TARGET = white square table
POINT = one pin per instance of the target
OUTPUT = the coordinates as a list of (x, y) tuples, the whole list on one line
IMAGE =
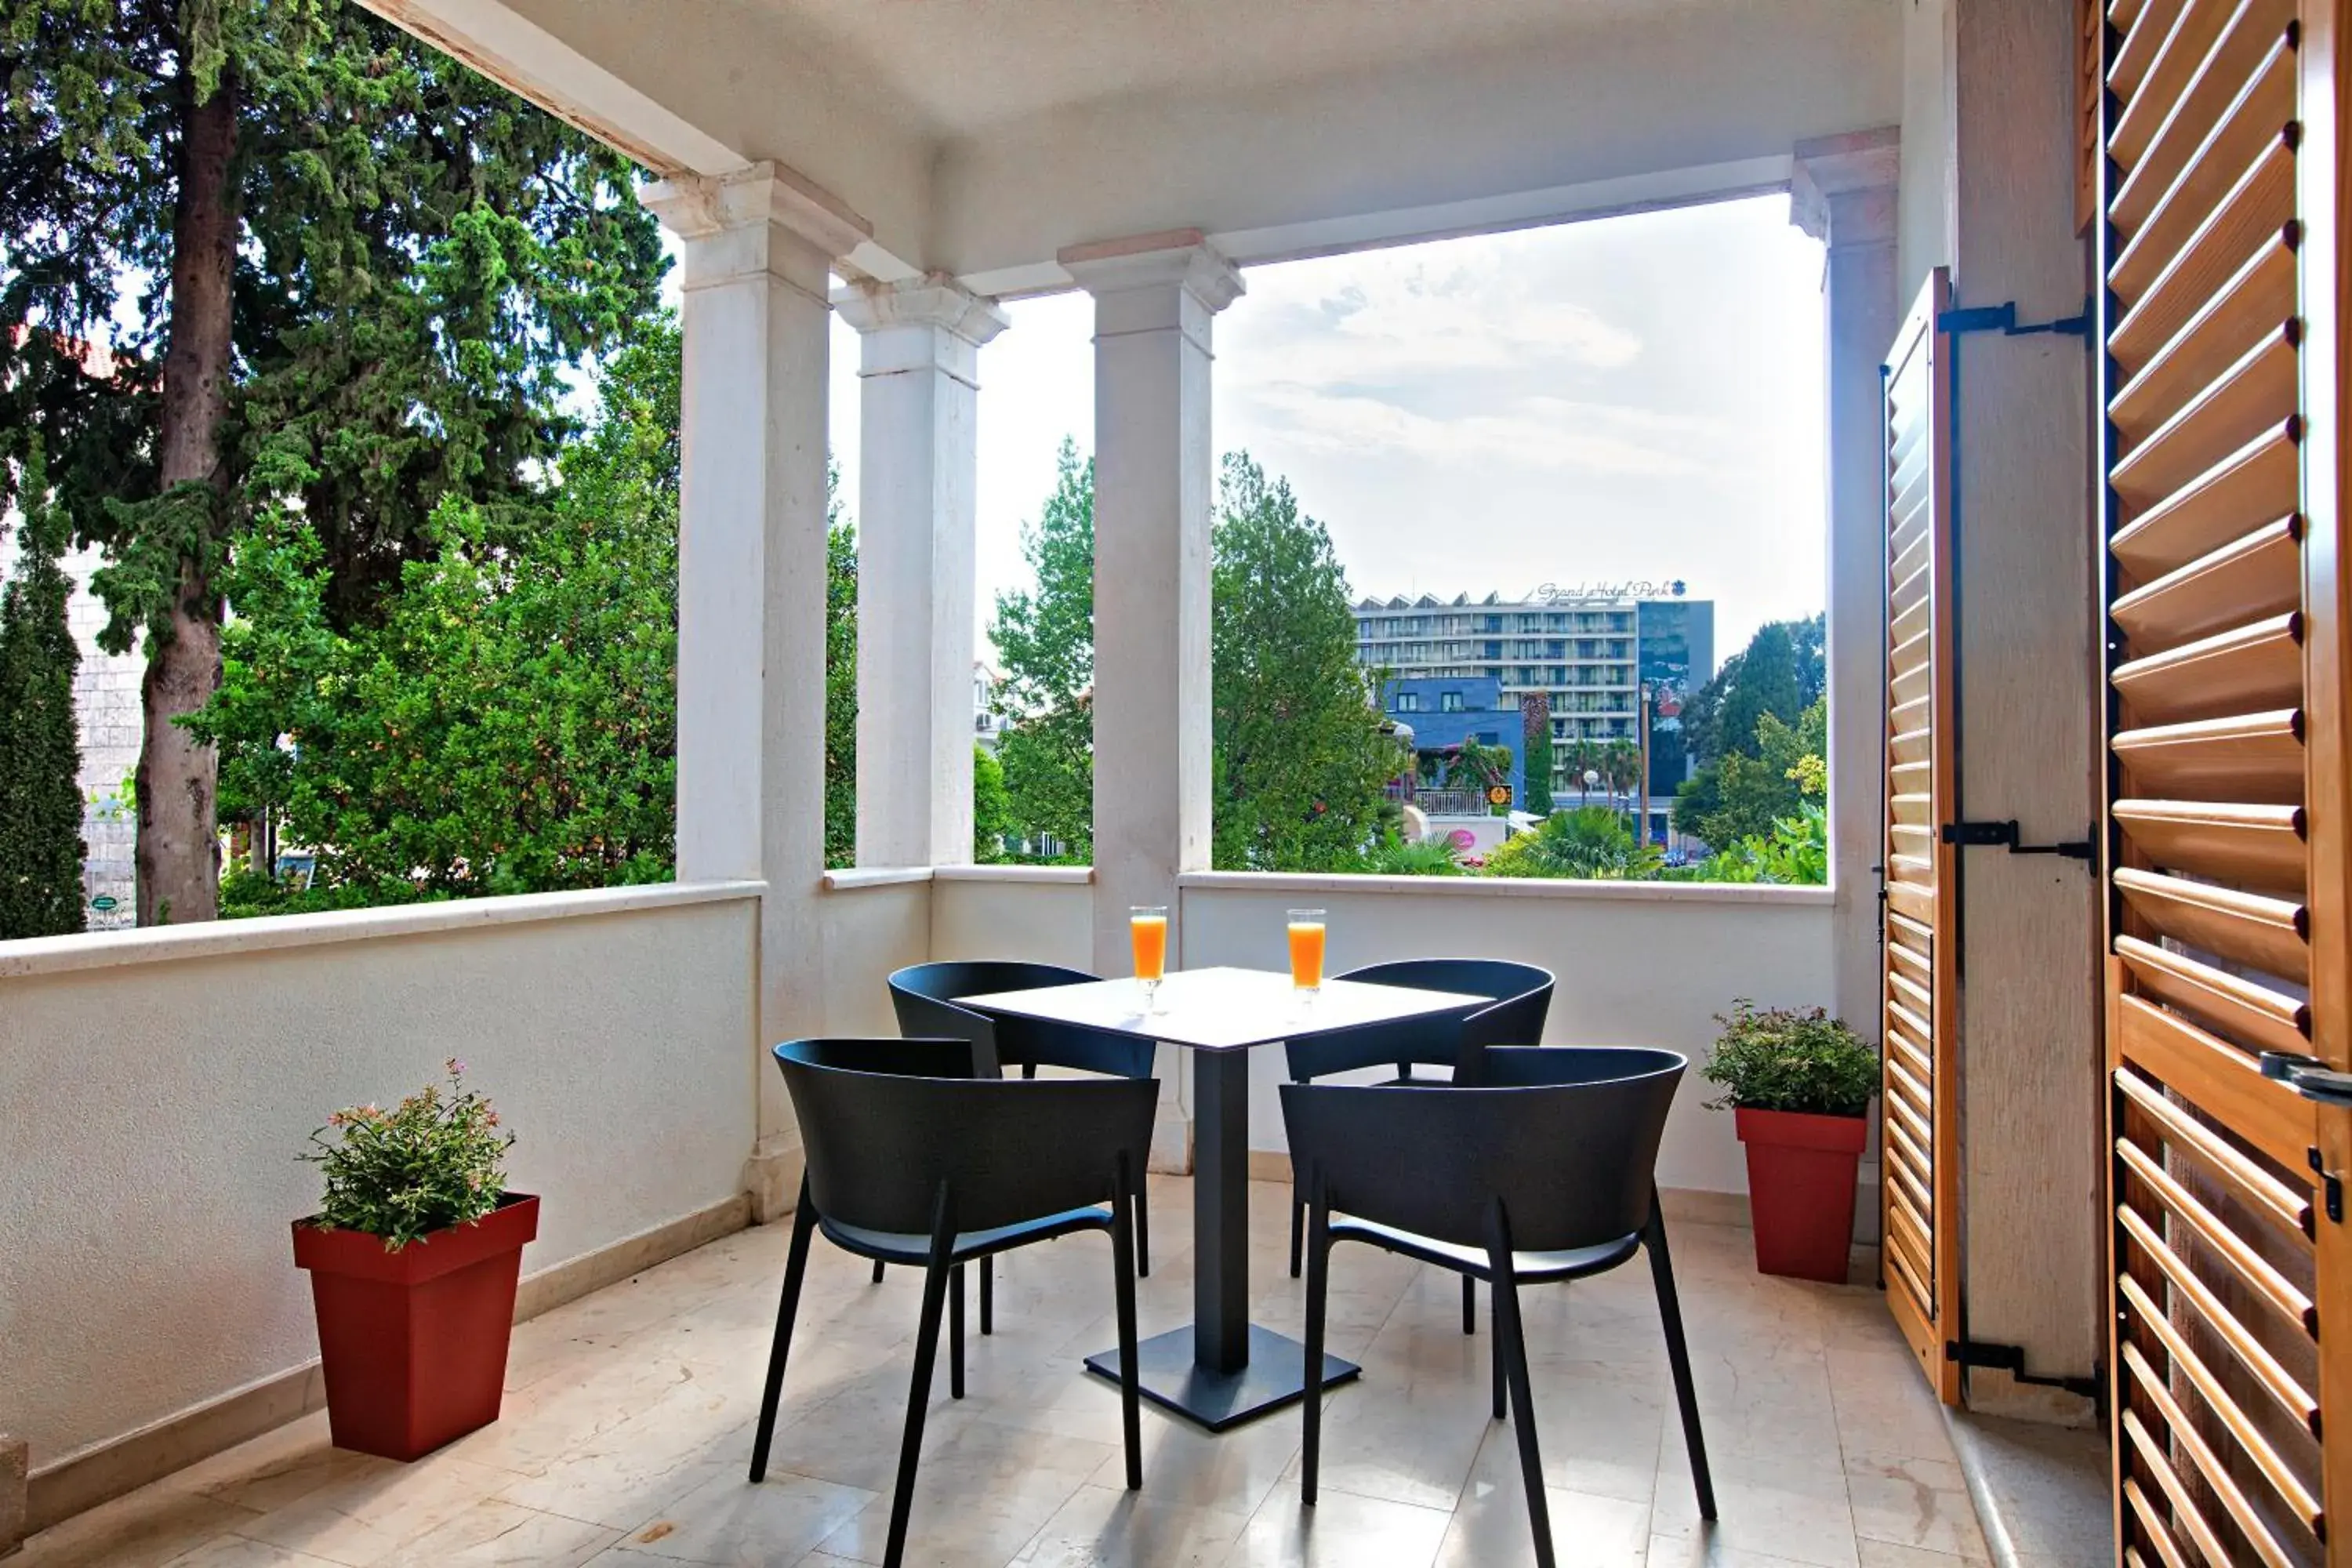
[(1222, 1369)]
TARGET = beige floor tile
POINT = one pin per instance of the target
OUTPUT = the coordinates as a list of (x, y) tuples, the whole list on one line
[(1789, 1507), (495, 1535), (1884, 1404), (1490, 1527), (1886, 1554), (729, 1522), (1233, 1472), (237, 1552), (1411, 1445), (1914, 1502), (278, 1467), (1710, 1551), (959, 1522), (1105, 1527), (1341, 1530), (362, 1519), (148, 1528)]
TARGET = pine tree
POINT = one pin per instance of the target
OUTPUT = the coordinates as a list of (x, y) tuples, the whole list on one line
[(40, 757), (353, 275), (1044, 639), (1536, 754)]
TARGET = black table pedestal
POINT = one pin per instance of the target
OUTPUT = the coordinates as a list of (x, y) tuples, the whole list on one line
[(1223, 1369)]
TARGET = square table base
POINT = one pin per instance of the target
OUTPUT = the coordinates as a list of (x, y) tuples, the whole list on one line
[(1167, 1376)]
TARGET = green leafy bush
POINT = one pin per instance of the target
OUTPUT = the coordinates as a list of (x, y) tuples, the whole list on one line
[(1791, 1058), (1591, 842), (1393, 856), (435, 1160)]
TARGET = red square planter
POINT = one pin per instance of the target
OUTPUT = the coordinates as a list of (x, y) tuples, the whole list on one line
[(1800, 1177), (414, 1343)]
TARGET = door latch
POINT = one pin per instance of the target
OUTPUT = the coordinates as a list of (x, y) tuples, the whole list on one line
[(2308, 1077), (2005, 836)]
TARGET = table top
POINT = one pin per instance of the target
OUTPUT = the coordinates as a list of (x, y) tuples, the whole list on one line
[(1223, 1009)]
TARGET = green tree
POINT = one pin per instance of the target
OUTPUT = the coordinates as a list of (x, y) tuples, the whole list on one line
[(840, 678), (1745, 797), (336, 278), (40, 757), (1537, 753), (1591, 842), (1779, 672), (992, 808), (1044, 639), (1299, 753)]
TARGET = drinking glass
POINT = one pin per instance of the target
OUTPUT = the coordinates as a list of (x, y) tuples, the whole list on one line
[(1307, 949), (1147, 929)]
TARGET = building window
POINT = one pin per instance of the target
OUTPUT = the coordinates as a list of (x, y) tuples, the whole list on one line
[(1450, 702), (1408, 703)]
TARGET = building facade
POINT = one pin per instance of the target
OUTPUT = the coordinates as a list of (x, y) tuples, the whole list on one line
[(1588, 653), (1440, 712)]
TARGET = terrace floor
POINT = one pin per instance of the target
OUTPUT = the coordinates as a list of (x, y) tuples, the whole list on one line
[(626, 1433)]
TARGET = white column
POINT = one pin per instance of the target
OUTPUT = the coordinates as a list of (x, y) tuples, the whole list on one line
[(1154, 299), (917, 482), (1845, 193), (759, 247)]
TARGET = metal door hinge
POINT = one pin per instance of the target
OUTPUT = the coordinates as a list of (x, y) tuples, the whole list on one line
[(2002, 319), (2004, 836), (2010, 1359)]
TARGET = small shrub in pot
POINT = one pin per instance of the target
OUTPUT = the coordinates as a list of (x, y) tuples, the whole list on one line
[(1798, 1083)]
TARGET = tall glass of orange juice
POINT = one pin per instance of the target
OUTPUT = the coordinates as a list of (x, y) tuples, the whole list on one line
[(1147, 929), (1307, 949)]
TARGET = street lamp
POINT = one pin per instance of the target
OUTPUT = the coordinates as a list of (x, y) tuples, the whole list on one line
[(1592, 777)]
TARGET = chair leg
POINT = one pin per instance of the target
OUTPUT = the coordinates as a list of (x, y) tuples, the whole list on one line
[(1502, 1400), (919, 1390), (1469, 1305), (988, 1294), (955, 1332), (795, 1270), (878, 1272), (1124, 1213), (1319, 1284), (1297, 1220), (1662, 1274), (1142, 1229), (1511, 1347)]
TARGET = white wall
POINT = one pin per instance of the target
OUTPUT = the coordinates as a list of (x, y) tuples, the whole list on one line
[(155, 1105), (868, 932), (1045, 915)]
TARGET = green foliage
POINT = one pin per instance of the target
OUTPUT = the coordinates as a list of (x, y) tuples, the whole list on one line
[(1537, 759), (1743, 796), (840, 678), (509, 725), (1795, 852), (1780, 672), (1391, 855), (991, 809), (1300, 754), (1591, 842), (1787, 1059), (1044, 637), (40, 755), (435, 1160)]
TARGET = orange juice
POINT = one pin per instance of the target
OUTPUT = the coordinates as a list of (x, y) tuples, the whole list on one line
[(1307, 949), (1150, 935)]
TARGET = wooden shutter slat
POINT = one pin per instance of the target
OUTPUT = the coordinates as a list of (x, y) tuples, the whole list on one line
[(2268, 933), (2250, 578), (2266, 1020), (2255, 394), (2259, 300), (2185, 1512), (2218, 1078), (1913, 900), (1910, 807), (1911, 686), (2185, 252), (2250, 1351), (2250, 1437), (2249, 1265), (2170, 70), (2144, 29), (2256, 484), (2245, 670), (2251, 37), (2254, 757), (2160, 1533), (2259, 846), (2208, 1465), (2253, 1184)]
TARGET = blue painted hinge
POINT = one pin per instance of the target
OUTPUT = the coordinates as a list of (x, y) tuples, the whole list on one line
[(2002, 319)]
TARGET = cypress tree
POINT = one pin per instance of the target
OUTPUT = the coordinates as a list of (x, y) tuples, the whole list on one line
[(40, 755)]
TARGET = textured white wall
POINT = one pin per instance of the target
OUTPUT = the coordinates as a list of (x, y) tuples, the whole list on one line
[(154, 1111), (1043, 921), (868, 932)]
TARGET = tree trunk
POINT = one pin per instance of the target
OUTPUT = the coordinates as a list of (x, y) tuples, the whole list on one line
[(179, 842)]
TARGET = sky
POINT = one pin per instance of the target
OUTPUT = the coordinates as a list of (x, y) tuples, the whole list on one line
[(1635, 397)]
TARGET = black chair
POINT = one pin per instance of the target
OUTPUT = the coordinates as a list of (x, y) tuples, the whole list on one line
[(1546, 1172), (923, 995), (1522, 994), (913, 1160)]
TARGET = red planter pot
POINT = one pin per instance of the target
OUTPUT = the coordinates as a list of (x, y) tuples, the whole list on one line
[(414, 1343), (1800, 1180)]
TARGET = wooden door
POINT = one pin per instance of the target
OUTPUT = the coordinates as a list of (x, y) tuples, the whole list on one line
[(2226, 789), (1919, 989)]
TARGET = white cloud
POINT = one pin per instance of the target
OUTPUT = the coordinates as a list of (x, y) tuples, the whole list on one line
[(1539, 432)]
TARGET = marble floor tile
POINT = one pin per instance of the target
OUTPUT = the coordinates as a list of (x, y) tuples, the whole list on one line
[(627, 1428)]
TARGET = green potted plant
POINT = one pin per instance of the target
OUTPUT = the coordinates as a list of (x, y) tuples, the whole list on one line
[(413, 1258), (1798, 1083)]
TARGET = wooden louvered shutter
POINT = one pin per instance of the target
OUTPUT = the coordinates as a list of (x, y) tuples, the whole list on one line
[(2226, 894), (1917, 1192)]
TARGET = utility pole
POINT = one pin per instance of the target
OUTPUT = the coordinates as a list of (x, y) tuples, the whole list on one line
[(1644, 736)]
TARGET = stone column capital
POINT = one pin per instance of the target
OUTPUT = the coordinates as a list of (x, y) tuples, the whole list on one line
[(1842, 188), (934, 299), (731, 223), (1180, 266)]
